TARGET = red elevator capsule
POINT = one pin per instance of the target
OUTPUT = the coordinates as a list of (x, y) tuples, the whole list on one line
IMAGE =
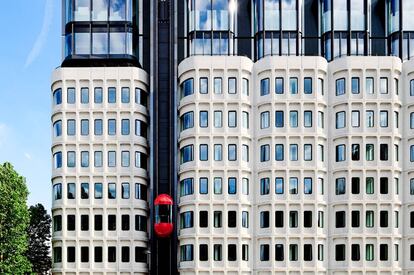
[(163, 216)]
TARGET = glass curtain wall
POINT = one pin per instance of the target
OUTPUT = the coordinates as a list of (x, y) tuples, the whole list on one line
[(100, 28), (277, 29), (344, 27), (211, 27), (400, 28)]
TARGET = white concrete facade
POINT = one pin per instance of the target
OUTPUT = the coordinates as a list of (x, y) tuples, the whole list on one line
[(320, 182), (100, 149)]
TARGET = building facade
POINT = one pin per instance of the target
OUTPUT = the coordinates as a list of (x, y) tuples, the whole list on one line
[(282, 130)]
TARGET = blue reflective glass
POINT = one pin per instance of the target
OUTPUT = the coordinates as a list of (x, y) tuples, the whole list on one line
[(232, 187), (357, 15), (307, 85), (279, 185), (340, 186), (71, 127), (340, 153), (57, 97), (187, 87), (307, 118), (307, 185), (125, 95), (98, 128), (289, 15), (271, 14), (279, 152), (98, 95), (187, 121), (293, 152), (279, 85), (326, 15), (264, 87), (340, 15), (264, 186), (187, 154), (186, 187), (71, 95), (293, 185), (125, 125), (264, 153), (57, 127), (57, 157), (100, 10), (340, 86), (111, 127), (279, 119), (85, 159), (408, 24), (84, 127), (203, 185), (111, 95), (394, 15), (84, 95)]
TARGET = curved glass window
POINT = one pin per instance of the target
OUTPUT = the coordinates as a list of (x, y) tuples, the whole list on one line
[(187, 87), (348, 33), (140, 128), (187, 154), (57, 128), (141, 160), (187, 121), (186, 187), (211, 26), (276, 27), (57, 97)]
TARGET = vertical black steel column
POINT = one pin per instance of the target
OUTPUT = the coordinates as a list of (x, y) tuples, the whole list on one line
[(163, 251)]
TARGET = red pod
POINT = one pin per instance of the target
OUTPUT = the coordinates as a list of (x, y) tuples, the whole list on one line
[(163, 216)]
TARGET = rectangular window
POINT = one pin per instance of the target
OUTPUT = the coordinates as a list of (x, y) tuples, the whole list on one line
[(218, 84), (232, 85), (111, 191), (71, 191), (369, 152), (340, 184), (307, 183), (279, 219), (85, 190), (340, 120), (125, 95), (84, 95), (293, 115), (112, 254), (217, 252), (369, 119), (203, 252), (203, 119), (218, 119), (355, 119), (71, 124), (340, 86), (340, 153), (384, 85), (218, 152), (98, 95), (293, 152), (232, 152), (293, 252), (279, 87), (71, 159), (71, 95), (355, 219), (355, 185), (355, 152), (111, 95), (307, 121), (307, 85), (279, 185), (340, 252), (203, 219), (203, 85), (369, 85), (279, 119), (85, 127), (264, 252), (264, 87), (218, 185), (369, 185), (384, 118), (279, 252), (125, 127), (264, 120), (203, 185), (203, 152), (369, 218), (232, 119), (265, 186), (307, 252), (231, 219), (293, 185), (264, 219), (98, 127), (321, 120), (245, 86), (111, 127), (369, 252), (307, 152), (320, 86), (245, 120), (279, 152), (355, 85), (232, 186), (383, 152), (217, 219), (293, 81)]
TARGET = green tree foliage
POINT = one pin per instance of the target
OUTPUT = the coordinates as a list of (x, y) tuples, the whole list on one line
[(14, 221), (39, 239)]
